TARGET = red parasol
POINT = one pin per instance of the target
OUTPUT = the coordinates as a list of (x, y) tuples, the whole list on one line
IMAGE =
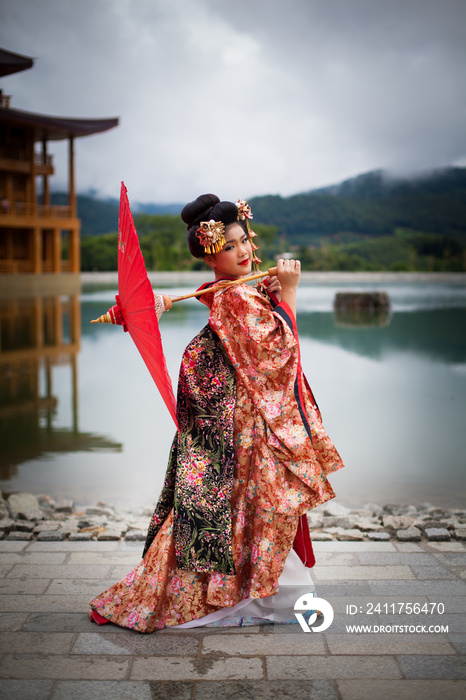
[(135, 307), (138, 309)]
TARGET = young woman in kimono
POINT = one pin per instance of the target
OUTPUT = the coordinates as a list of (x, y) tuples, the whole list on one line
[(250, 458)]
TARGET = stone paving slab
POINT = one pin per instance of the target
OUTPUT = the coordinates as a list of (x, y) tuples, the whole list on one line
[(135, 644), (443, 589), (459, 641), (383, 644), (396, 558), (11, 546), (445, 547), (168, 668), (270, 645), (43, 603), (51, 651), (402, 690), (451, 667), (82, 587), (357, 547), (331, 667), (127, 559), (12, 621), (267, 690), (56, 622), (68, 546), (362, 573), (40, 558), (36, 643), (53, 667), (432, 572), (13, 586), (68, 571), (121, 690), (25, 690), (453, 604)]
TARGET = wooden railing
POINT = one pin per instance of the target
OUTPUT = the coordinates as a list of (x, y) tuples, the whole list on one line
[(19, 153), (14, 153), (40, 159), (18, 267), (55, 211)]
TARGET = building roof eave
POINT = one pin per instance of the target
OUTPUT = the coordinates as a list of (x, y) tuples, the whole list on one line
[(56, 128), (13, 62)]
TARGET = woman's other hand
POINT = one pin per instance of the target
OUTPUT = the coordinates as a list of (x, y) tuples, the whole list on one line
[(274, 286), (288, 273)]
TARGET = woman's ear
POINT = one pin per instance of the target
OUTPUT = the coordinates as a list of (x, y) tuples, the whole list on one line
[(210, 260)]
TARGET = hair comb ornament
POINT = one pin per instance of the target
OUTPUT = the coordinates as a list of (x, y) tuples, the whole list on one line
[(244, 210), (244, 214), (211, 236)]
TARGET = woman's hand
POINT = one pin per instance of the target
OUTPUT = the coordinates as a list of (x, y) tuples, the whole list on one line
[(288, 273), (274, 286)]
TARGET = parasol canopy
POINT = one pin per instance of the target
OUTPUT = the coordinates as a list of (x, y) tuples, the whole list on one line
[(135, 307)]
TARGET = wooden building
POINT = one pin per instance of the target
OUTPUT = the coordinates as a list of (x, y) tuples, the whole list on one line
[(36, 237)]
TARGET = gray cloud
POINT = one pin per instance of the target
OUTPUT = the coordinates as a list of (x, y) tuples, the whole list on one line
[(245, 98)]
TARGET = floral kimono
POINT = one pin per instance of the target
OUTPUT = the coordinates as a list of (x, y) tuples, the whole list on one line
[(250, 457)]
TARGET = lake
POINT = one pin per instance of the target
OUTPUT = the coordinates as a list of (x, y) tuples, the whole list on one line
[(82, 418)]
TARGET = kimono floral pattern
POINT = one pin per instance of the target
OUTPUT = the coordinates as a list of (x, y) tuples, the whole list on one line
[(280, 469), (200, 472)]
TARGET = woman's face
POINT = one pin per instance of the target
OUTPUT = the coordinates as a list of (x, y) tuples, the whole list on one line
[(235, 259)]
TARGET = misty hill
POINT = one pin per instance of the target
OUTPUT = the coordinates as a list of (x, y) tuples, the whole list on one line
[(101, 215), (372, 204)]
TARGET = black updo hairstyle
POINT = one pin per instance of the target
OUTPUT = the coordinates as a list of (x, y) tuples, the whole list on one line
[(205, 208)]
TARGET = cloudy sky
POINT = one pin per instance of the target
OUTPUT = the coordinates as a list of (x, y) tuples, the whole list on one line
[(244, 97)]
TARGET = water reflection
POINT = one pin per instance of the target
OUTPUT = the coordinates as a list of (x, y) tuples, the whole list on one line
[(393, 397), (38, 337), (438, 334)]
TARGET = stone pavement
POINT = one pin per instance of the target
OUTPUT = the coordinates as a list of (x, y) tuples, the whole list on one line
[(50, 650)]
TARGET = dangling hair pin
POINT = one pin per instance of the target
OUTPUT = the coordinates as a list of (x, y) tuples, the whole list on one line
[(244, 214), (211, 236)]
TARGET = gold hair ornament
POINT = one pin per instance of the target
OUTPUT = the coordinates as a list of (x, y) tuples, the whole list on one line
[(211, 236)]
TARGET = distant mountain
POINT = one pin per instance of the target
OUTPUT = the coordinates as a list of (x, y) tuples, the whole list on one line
[(101, 215), (372, 204)]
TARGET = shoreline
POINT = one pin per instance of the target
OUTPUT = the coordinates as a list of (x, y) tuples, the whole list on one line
[(192, 277), (29, 517)]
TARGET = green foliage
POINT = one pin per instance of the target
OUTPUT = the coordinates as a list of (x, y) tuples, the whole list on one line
[(403, 252), (99, 253), (366, 223)]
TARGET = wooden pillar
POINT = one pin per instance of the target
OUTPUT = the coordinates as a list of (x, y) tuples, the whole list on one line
[(56, 250), (74, 391), (9, 252), (48, 390), (38, 323), (45, 180), (72, 189), (58, 322), (36, 250), (9, 188), (74, 253)]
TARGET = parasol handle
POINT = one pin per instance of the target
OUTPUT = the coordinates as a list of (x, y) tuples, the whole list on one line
[(223, 285), (163, 302), (105, 318)]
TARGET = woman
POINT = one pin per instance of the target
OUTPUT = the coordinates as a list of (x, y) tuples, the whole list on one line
[(249, 460)]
